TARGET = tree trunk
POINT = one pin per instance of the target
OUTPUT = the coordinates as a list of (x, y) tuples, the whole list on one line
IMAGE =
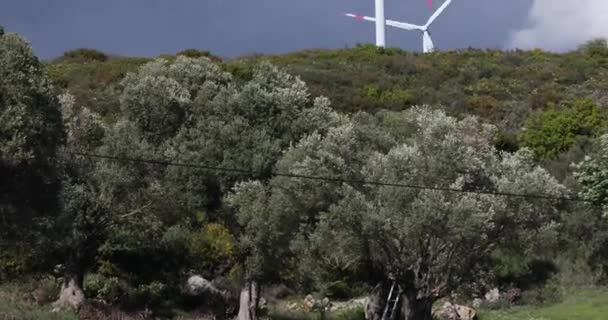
[(249, 299), (71, 294), (419, 309), (377, 300)]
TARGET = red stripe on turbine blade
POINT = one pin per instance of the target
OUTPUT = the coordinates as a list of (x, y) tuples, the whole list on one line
[(356, 16), (430, 3)]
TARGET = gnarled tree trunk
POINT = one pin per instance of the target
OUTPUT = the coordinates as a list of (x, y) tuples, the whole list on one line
[(71, 295), (249, 299), (419, 309)]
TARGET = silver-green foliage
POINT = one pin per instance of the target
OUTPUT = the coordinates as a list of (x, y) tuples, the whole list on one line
[(430, 240), (592, 175), (31, 132), (187, 111)]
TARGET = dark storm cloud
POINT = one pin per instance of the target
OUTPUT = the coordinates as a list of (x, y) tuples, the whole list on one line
[(236, 27)]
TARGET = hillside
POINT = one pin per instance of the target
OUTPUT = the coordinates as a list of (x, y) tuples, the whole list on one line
[(502, 87)]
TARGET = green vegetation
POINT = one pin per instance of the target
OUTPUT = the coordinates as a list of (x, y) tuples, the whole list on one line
[(18, 305), (130, 179), (589, 304), (555, 130), (351, 314)]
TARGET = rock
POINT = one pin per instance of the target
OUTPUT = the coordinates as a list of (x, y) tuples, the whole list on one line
[(450, 311), (492, 296), (477, 302), (324, 304), (349, 305), (197, 285), (513, 295), (309, 303)]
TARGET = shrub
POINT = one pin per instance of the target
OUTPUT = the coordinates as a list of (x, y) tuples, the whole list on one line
[(213, 249), (555, 130), (109, 289), (152, 294), (195, 53), (596, 48), (15, 261), (483, 106), (84, 55)]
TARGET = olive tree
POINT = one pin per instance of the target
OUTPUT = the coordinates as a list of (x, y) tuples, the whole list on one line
[(430, 241), (81, 224), (31, 132), (114, 208), (187, 111)]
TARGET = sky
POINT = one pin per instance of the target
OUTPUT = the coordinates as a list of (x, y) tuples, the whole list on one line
[(231, 28)]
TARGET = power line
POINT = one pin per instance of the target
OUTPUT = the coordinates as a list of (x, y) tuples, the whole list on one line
[(322, 178)]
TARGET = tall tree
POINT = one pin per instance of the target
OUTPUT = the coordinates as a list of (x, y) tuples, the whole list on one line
[(186, 111), (83, 222), (31, 131), (428, 240)]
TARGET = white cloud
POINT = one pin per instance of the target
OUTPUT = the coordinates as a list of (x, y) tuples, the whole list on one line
[(562, 24)]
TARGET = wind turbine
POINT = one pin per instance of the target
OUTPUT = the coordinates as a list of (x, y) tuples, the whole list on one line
[(427, 42)]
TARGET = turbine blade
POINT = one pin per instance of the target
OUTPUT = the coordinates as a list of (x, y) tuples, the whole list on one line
[(403, 25), (360, 17), (391, 23), (437, 13), (427, 43), (430, 3)]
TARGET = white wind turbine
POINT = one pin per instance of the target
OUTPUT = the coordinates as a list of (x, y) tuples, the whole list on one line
[(427, 42)]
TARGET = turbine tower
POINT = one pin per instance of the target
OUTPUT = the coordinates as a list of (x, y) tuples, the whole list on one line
[(427, 42), (380, 24)]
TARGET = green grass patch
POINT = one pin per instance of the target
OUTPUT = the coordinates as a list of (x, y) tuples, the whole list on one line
[(588, 304), (15, 304), (351, 314)]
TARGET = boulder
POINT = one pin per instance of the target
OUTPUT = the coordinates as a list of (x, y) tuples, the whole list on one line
[(197, 285), (309, 303), (492, 296), (477, 302), (451, 311)]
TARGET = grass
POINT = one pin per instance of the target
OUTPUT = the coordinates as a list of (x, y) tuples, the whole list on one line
[(588, 304), (582, 304), (352, 314), (15, 306)]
